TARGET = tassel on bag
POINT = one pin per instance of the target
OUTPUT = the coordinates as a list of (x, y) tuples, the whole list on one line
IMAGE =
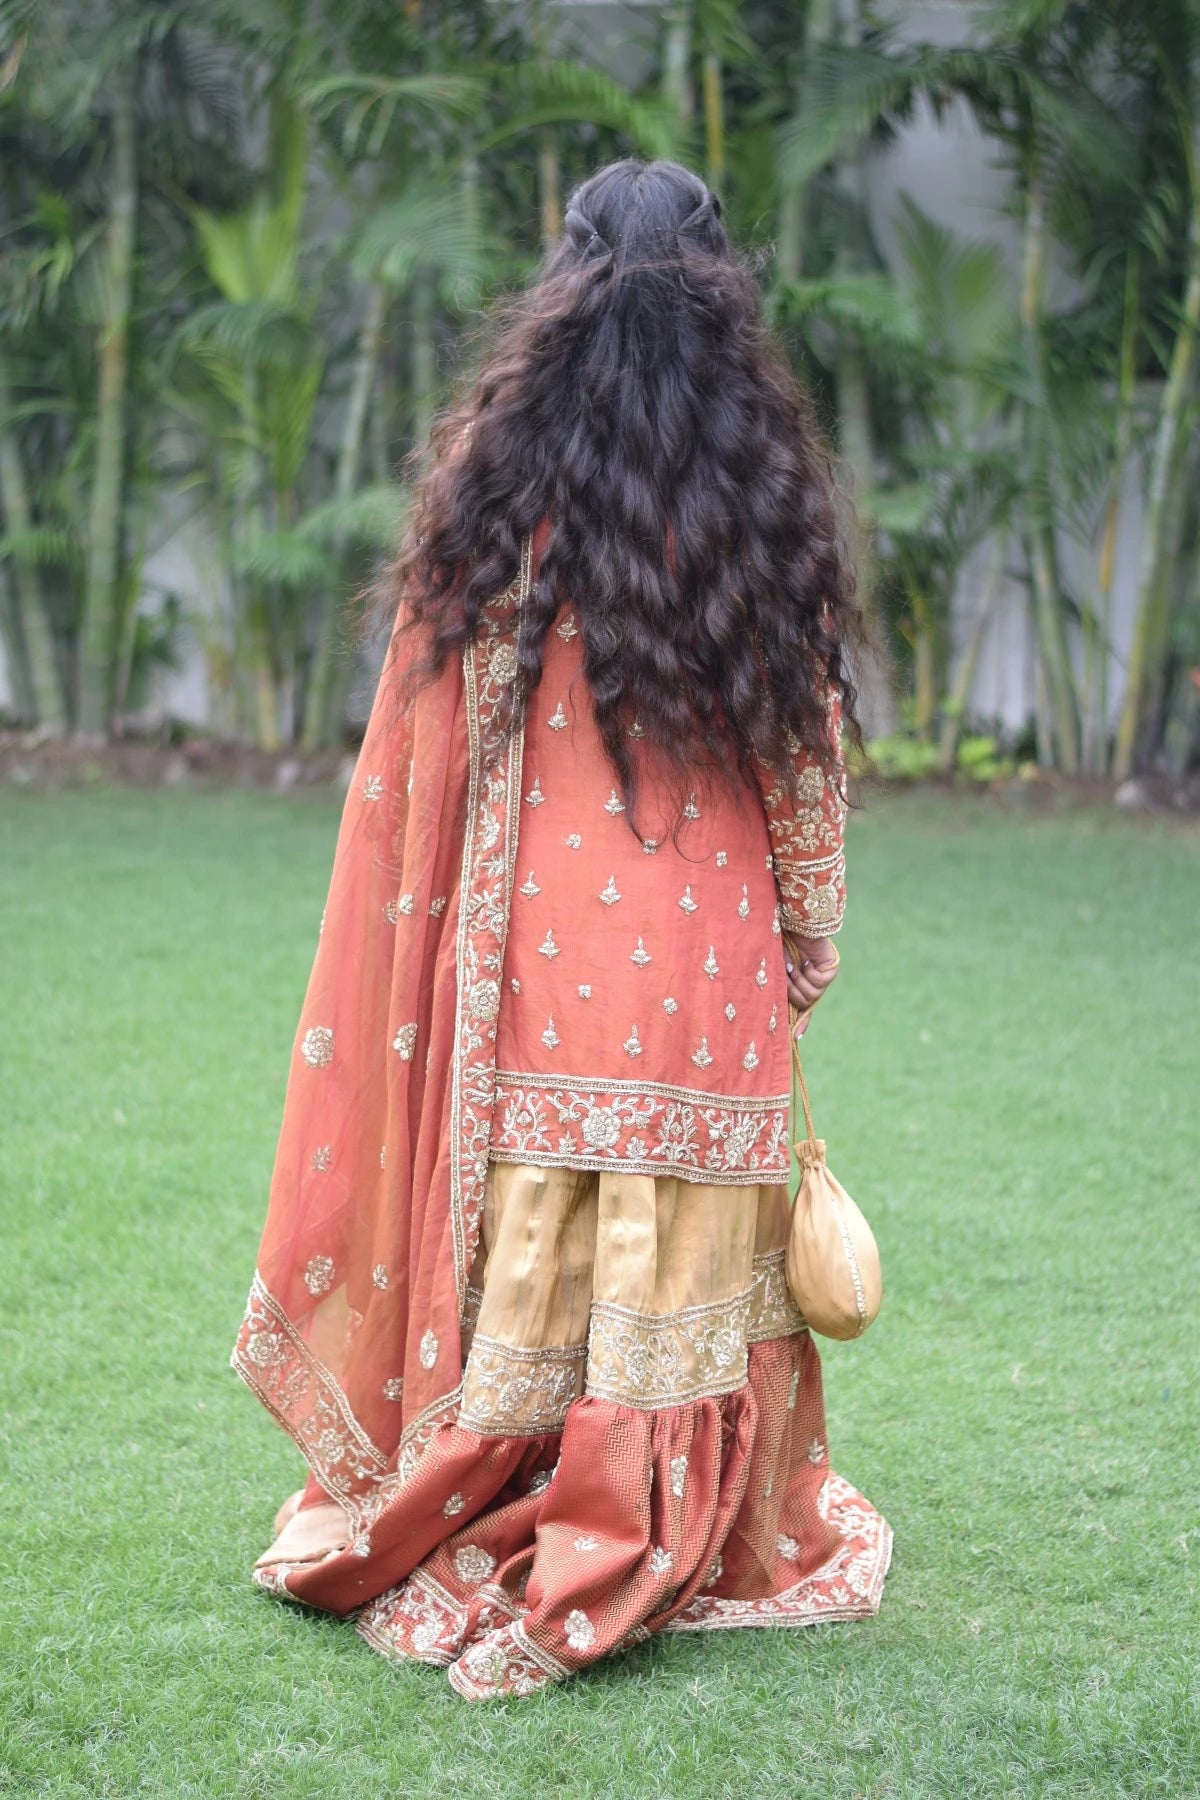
[(833, 1268)]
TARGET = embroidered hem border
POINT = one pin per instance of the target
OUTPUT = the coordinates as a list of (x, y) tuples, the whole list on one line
[(424, 1622), (645, 1128), (642, 1360)]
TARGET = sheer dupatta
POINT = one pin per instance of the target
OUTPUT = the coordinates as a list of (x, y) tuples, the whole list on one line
[(351, 1336)]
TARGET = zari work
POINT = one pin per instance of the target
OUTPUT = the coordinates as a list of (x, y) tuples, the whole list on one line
[(641, 1445), (520, 1287)]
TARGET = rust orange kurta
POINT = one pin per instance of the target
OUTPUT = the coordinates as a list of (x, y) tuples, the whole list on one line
[(643, 1007)]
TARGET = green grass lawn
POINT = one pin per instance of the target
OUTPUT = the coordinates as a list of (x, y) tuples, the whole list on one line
[(1007, 1077)]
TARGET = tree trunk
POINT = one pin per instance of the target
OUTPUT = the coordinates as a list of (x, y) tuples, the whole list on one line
[(677, 62), (1053, 648), (97, 649), (1098, 633), (423, 353), (319, 724), (714, 121), (549, 188), (32, 636), (955, 709), (1147, 652)]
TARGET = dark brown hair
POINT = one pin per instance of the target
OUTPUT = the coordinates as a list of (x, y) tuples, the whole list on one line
[(633, 398)]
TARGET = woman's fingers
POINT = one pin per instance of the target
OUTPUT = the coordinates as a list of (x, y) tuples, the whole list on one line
[(807, 982)]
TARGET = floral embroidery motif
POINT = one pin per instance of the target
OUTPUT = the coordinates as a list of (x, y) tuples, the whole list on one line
[(773, 1022), (750, 1060), (711, 966), (702, 1056), (512, 1391), (722, 858), (614, 804), (787, 1547), (686, 901), (648, 1360), (816, 1451), (670, 1006), (650, 846), (405, 1041), (473, 1563), (573, 841), (317, 1047), (484, 998), (632, 1046), (548, 947), (716, 1569), (585, 990), (373, 788), (322, 1157), (453, 1506), (730, 1011), (691, 810), (648, 1128), (660, 1560), (502, 662), (428, 1350), (391, 912), (793, 1389), (515, 985), (394, 1389), (318, 1276), (743, 905), (550, 1037), (405, 904), (379, 1275), (678, 1475), (504, 1662), (609, 893), (558, 720), (437, 907), (541, 1481), (580, 1632), (535, 796), (383, 1156), (529, 888), (760, 974), (586, 1543), (641, 956)]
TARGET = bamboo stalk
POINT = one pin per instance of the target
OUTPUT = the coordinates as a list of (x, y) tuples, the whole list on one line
[(31, 619), (97, 645), (1147, 651), (318, 721)]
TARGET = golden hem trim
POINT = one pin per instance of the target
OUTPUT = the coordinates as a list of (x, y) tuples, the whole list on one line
[(514, 1391)]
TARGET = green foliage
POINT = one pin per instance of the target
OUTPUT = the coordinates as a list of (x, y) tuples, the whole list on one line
[(904, 757), (326, 198)]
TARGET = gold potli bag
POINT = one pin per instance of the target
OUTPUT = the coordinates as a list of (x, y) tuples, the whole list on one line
[(833, 1268)]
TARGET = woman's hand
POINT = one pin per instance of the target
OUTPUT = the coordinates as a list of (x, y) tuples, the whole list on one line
[(812, 964)]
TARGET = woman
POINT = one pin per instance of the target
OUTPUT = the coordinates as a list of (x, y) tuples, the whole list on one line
[(521, 1299)]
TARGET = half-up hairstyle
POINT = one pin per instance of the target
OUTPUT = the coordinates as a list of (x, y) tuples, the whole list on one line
[(633, 399)]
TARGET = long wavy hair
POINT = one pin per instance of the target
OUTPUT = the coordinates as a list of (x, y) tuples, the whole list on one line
[(633, 400)]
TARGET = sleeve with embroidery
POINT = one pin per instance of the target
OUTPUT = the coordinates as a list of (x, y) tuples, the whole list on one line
[(806, 825)]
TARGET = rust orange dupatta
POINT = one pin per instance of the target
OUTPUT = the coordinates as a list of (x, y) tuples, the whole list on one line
[(351, 1336)]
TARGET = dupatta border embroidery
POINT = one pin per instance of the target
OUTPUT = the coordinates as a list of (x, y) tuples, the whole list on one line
[(270, 1355), (489, 668)]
